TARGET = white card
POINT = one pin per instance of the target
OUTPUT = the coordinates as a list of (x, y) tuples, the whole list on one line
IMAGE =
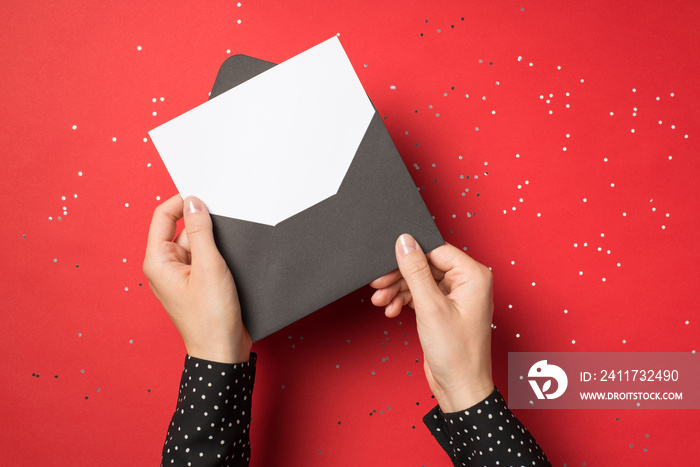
[(272, 146)]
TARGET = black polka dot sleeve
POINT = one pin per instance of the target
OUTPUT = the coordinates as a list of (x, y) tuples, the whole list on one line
[(487, 434), (211, 424)]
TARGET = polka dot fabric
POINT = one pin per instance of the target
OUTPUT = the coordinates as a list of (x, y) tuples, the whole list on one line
[(211, 424), (486, 434)]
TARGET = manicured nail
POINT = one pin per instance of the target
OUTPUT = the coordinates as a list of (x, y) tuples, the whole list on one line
[(408, 244), (192, 205)]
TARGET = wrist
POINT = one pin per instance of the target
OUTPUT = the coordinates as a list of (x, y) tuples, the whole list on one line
[(464, 398), (225, 353)]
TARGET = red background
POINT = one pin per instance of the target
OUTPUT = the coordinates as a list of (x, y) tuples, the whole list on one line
[(91, 361)]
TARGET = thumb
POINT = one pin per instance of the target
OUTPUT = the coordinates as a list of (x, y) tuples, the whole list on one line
[(416, 272), (199, 232)]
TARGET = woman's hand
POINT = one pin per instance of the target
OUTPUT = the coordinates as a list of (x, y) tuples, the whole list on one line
[(453, 298), (192, 281)]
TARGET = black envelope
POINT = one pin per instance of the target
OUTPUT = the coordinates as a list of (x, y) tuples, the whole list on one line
[(287, 271)]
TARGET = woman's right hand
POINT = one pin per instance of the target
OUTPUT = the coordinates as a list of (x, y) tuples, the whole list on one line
[(452, 295)]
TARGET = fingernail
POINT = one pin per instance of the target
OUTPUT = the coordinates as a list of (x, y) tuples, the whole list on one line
[(192, 204), (408, 244)]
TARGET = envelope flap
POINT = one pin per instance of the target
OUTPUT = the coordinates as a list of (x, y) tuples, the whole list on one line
[(378, 177), (236, 70)]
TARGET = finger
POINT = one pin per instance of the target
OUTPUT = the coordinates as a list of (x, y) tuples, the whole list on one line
[(437, 274), (445, 286), (462, 270), (382, 297), (395, 275), (164, 222), (447, 257), (182, 240), (185, 255), (386, 279), (200, 235), (161, 232), (393, 309), (416, 272)]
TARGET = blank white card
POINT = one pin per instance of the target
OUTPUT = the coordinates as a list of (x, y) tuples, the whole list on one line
[(274, 145)]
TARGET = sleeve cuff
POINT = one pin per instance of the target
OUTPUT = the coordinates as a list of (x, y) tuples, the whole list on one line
[(211, 423), (486, 433), (439, 423)]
